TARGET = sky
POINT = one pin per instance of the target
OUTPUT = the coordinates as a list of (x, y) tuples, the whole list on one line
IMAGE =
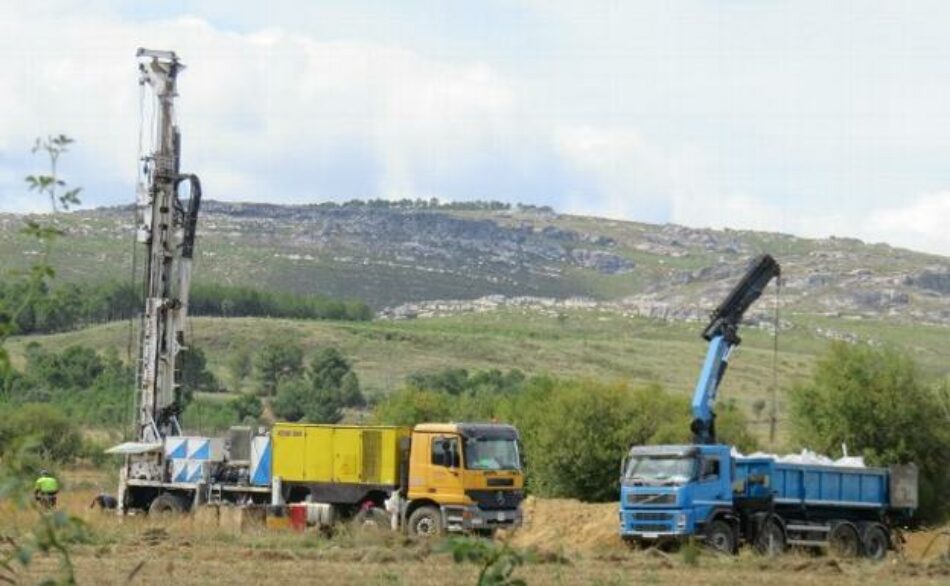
[(811, 118)]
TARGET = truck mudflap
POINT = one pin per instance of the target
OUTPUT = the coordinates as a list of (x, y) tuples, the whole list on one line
[(473, 518)]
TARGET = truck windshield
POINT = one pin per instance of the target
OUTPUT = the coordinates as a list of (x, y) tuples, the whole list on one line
[(487, 453), (659, 469)]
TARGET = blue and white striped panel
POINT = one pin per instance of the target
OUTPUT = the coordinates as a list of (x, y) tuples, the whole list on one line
[(261, 461), (195, 471), (179, 470), (176, 448), (199, 448)]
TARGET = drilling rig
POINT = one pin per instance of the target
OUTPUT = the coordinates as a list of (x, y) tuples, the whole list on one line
[(166, 227), (334, 472)]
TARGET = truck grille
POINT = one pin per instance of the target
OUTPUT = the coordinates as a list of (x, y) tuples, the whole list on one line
[(496, 499), (647, 516), (651, 499), (652, 527)]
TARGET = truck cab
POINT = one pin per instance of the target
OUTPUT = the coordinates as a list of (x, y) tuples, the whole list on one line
[(463, 477), (672, 491)]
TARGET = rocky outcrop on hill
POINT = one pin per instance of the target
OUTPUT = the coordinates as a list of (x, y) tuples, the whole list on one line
[(403, 257)]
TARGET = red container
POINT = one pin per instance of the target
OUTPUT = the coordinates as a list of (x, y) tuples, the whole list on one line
[(298, 516)]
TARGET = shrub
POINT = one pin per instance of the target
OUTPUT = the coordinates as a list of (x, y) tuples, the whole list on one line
[(409, 406), (874, 401), (576, 433), (56, 436), (278, 359)]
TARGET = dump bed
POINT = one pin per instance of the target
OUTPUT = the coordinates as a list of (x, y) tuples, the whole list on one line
[(815, 485), (339, 454)]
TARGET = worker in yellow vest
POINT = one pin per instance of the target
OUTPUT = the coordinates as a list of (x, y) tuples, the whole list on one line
[(46, 489)]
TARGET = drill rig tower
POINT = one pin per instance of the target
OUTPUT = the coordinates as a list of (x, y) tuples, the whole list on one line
[(168, 232), (167, 229)]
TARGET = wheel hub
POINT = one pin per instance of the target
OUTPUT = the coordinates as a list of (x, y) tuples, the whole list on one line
[(425, 526)]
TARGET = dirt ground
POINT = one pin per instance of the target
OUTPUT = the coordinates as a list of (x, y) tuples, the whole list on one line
[(567, 542)]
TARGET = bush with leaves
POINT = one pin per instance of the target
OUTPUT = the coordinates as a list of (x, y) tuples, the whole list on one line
[(497, 561), (575, 433), (290, 404), (327, 387), (195, 376), (332, 376), (278, 359), (86, 386), (875, 401), (55, 437), (732, 427), (247, 407), (411, 406)]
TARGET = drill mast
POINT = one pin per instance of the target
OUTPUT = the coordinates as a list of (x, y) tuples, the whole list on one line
[(167, 228)]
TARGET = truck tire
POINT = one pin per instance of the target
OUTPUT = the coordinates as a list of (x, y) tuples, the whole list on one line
[(844, 541), (875, 541), (425, 522), (166, 505), (721, 537), (770, 539)]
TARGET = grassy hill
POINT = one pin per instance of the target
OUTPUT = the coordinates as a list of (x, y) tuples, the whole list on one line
[(599, 344), (646, 290), (393, 254)]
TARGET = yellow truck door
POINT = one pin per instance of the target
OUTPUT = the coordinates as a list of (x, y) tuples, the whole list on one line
[(445, 458)]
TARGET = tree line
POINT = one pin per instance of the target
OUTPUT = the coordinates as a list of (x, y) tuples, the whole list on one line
[(71, 306)]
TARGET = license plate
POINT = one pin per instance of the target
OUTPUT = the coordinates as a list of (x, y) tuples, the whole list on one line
[(651, 535), (500, 517)]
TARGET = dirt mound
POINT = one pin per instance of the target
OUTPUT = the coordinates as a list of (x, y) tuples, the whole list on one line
[(929, 545), (568, 525)]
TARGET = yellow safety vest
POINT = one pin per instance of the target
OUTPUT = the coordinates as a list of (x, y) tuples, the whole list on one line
[(47, 484)]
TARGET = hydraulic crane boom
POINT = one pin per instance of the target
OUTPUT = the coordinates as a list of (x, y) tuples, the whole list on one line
[(722, 335)]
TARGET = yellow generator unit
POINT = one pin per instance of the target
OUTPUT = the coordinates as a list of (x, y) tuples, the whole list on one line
[(337, 454)]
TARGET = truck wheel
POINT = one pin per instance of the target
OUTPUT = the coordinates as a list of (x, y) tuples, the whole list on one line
[(425, 522), (844, 540), (875, 542), (166, 505), (721, 537), (770, 540)]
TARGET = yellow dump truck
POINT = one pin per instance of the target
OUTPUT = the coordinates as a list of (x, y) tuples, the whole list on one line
[(426, 480)]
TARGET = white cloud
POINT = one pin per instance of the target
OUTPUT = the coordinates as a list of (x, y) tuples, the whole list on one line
[(710, 116), (265, 115), (922, 224), (627, 177)]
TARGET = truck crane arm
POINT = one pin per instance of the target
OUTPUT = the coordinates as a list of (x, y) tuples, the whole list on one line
[(722, 335)]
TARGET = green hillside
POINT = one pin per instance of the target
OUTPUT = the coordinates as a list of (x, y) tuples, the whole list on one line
[(579, 344), (497, 286), (393, 254)]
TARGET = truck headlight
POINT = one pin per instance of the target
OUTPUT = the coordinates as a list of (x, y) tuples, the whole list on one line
[(681, 521)]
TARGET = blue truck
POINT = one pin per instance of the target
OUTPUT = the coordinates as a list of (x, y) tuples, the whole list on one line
[(706, 491)]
